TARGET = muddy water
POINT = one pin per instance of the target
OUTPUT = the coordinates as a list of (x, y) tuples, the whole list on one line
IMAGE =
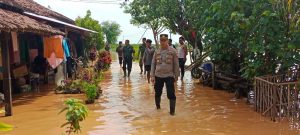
[(127, 107)]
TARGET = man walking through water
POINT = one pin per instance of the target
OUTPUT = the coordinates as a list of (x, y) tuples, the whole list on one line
[(165, 70), (128, 52), (182, 52), (147, 59), (119, 50), (141, 51)]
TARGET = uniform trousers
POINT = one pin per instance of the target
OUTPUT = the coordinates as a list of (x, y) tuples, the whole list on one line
[(159, 84), (127, 64)]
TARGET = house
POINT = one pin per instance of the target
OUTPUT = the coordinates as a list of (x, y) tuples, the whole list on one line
[(24, 26)]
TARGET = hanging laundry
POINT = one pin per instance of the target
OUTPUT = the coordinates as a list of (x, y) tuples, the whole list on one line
[(15, 48), (66, 48), (59, 76), (72, 49), (54, 61), (15, 41), (53, 45), (17, 57), (24, 54)]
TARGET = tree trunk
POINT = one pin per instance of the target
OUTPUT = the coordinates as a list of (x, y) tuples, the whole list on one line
[(155, 37)]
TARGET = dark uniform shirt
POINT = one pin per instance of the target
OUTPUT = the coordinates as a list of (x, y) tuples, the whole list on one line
[(142, 48), (127, 52)]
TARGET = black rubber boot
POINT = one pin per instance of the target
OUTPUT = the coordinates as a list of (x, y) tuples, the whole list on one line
[(129, 73), (172, 107), (157, 102), (124, 73)]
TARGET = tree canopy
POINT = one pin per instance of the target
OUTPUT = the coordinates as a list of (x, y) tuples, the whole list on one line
[(247, 38), (92, 24), (111, 30), (146, 13)]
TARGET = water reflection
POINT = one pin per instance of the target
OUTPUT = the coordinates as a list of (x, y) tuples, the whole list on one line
[(127, 107), (130, 109)]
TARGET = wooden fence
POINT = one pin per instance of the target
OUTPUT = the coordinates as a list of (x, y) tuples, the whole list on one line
[(278, 96)]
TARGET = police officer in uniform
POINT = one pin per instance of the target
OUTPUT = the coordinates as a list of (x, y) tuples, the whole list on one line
[(165, 70)]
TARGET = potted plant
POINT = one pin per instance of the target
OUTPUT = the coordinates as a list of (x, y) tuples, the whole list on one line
[(75, 113), (69, 87), (103, 62), (99, 92), (96, 81), (90, 92)]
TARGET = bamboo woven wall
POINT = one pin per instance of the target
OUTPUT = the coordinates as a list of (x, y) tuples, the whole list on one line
[(278, 96)]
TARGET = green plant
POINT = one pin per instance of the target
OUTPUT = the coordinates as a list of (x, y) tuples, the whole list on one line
[(4, 126), (76, 112), (90, 91), (98, 78), (88, 22)]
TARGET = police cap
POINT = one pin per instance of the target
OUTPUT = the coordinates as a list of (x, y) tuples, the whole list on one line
[(164, 36)]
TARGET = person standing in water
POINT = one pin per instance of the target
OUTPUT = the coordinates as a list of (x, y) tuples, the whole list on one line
[(141, 51), (182, 52), (165, 70), (119, 50), (128, 52), (147, 59)]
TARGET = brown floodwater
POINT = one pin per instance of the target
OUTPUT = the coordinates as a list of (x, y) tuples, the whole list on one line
[(127, 108)]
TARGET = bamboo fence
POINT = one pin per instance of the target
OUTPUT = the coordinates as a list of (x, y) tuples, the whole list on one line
[(278, 96)]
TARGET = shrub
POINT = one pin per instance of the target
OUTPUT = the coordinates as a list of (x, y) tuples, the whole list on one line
[(76, 112)]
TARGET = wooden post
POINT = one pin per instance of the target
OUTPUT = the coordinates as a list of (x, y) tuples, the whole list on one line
[(6, 73)]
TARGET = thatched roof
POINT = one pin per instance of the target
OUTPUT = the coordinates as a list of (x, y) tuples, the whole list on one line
[(34, 7), (12, 21)]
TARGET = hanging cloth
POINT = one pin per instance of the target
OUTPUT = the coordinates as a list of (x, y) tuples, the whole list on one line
[(15, 41), (54, 61), (24, 50), (53, 45), (66, 48), (16, 52)]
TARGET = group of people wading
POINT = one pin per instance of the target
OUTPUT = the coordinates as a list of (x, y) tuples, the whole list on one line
[(160, 64)]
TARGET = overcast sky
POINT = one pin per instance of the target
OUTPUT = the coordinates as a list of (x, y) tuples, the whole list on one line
[(101, 12)]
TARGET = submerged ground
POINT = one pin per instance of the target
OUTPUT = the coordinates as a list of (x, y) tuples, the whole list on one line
[(127, 107)]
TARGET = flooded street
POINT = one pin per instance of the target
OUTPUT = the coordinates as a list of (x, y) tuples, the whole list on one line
[(127, 107)]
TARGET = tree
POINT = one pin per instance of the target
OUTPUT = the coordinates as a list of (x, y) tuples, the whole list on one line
[(147, 13), (92, 24), (247, 38), (252, 38), (111, 30)]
